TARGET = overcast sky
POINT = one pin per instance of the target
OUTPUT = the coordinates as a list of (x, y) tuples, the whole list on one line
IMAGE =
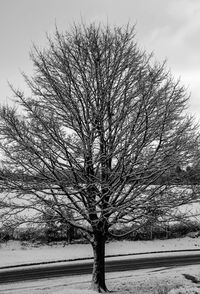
[(170, 28)]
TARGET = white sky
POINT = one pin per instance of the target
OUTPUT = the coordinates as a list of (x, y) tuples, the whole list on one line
[(169, 28)]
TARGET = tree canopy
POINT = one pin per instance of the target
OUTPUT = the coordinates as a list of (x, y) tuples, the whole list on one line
[(102, 124)]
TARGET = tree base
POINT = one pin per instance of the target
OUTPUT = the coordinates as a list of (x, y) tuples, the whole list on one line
[(98, 288)]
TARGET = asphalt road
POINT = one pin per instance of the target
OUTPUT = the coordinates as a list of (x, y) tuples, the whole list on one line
[(69, 269)]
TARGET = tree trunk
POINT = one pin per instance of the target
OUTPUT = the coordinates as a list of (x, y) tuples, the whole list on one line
[(98, 274)]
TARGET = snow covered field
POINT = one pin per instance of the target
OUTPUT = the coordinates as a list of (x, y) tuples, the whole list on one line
[(13, 253), (155, 281)]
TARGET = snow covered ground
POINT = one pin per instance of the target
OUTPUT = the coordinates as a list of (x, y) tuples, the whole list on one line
[(156, 281), (151, 281), (13, 253)]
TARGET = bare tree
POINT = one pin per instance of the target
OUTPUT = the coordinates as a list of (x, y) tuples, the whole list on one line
[(103, 123)]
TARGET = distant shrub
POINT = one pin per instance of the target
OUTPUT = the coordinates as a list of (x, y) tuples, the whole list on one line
[(5, 236), (43, 234), (29, 234), (46, 235), (6, 233), (183, 228), (157, 231)]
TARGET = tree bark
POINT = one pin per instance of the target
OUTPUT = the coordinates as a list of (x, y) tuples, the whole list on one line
[(98, 274)]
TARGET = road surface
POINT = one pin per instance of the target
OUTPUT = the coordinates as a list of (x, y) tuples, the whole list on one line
[(70, 269)]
